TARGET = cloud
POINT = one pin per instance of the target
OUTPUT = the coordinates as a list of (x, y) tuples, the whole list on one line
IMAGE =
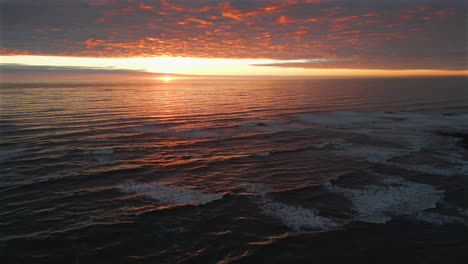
[(397, 34), (383, 63), (19, 71), (20, 68), (298, 63)]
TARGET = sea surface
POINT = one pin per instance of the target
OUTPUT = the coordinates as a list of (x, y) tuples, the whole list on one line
[(234, 171)]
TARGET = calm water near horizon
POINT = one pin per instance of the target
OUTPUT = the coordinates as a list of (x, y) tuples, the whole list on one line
[(234, 171)]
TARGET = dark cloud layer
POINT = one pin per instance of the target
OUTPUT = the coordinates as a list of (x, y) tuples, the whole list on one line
[(20, 68), (19, 71), (384, 34)]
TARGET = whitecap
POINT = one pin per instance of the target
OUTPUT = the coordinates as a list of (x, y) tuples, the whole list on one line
[(196, 155), (12, 155), (201, 133), (251, 125), (377, 204), (329, 144), (342, 118), (371, 153), (191, 133), (275, 126), (405, 136), (262, 154), (463, 211), (294, 216), (103, 151), (154, 128), (103, 155), (429, 169), (171, 194), (255, 189), (438, 219)]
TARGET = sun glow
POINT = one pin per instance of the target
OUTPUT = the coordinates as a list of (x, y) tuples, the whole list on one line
[(205, 66)]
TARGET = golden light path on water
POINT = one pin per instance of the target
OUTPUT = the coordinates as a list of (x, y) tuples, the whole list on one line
[(206, 66)]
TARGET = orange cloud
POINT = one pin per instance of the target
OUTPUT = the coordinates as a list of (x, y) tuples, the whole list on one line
[(144, 6)]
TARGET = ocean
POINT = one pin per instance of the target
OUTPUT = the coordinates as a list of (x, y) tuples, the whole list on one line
[(234, 171)]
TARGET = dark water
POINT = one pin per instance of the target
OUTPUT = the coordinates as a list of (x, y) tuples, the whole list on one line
[(298, 171)]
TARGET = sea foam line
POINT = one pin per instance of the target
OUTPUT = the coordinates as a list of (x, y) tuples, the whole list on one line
[(399, 197), (294, 217), (171, 194)]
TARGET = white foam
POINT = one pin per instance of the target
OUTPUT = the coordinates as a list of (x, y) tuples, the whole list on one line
[(463, 211), (275, 126), (171, 194), (329, 143), (438, 219), (150, 130), (396, 121), (103, 151), (254, 189), (347, 118), (412, 140), (455, 156), (193, 133), (202, 133), (377, 204), (375, 154), (12, 155), (428, 169), (262, 154), (154, 128), (401, 135), (281, 126), (293, 216), (104, 155), (196, 155), (250, 125), (372, 154)]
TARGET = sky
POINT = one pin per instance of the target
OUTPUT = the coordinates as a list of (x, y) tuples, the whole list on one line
[(235, 37)]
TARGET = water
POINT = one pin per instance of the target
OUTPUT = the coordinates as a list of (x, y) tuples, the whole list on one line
[(244, 171)]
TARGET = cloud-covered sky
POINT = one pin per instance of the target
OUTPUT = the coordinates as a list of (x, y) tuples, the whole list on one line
[(354, 34)]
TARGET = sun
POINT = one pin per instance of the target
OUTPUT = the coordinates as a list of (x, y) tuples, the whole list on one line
[(166, 78)]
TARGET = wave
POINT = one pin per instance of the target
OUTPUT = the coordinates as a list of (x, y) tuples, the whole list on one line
[(398, 197), (102, 155), (438, 219), (171, 194), (191, 133), (429, 169), (393, 126), (294, 216), (226, 130), (342, 118), (262, 154), (389, 124), (375, 154), (12, 155), (409, 141)]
